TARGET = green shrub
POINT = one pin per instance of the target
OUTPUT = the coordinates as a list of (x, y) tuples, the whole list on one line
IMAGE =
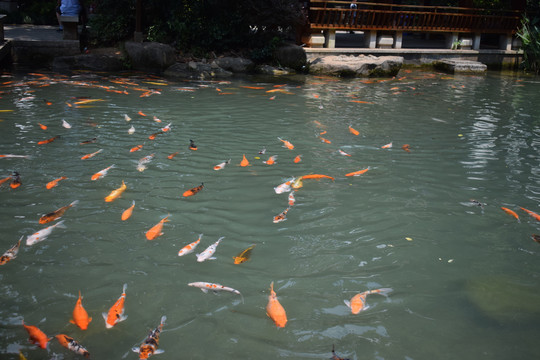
[(530, 39)]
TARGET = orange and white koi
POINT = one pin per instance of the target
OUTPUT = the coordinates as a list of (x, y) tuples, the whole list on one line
[(358, 302), (136, 148), (43, 142), (510, 212), (271, 160), (66, 124), (275, 310), (387, 146), (116, 193), (284, 187), (126, 214), (193, 191), (126, 117), (209, 251), (357, 173), (244, 256), (532, 213), (297, 159), (192, 145), (102, 173), (291, 198), (171, 156), (80, 316), (141, 165), (353, 131), (206, 286), (281, 216), (57, 213), (244, 161), (343, 153), (43, 234), (116, 312), (91, 155), (286, 143), (166, 128), (71, 344), (189, 248), (11, 253), (222, 165), (262, 151), (11, 156), (15, 180), (324, 140), (54, 183), (36, 336), (149, 346), (155, 230)]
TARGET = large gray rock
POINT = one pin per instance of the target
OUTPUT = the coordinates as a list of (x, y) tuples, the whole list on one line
[(291, 56), (357, 66), (235, 64), (150, 56), (460, 66), (105, 60), (196, 70)]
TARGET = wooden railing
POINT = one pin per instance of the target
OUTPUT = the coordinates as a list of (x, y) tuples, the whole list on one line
[(336, 15)]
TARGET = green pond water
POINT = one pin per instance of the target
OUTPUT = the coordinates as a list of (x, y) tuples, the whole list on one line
[(465, 277)]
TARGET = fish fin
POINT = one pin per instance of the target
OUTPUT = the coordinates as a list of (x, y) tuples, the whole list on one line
[(212, 258), (163, 319), (159, 351), (89, 319), (71, 321), (105, 315), (122, 317), (385, 291), (348, 303), (60, 224), (74, 203), (204, 290), (135, 349)]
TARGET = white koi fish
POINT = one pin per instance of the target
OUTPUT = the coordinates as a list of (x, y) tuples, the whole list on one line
[(222, 165), (66, 124), (207, 254), (102, 173), (188, 249), (131, 130), (126, 117), (285, 187), (206, 286), (42, 234), (149, 346), (141, 165)]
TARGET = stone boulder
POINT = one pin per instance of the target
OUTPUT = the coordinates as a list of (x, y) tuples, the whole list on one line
[(271, 70), (109, 59), (291, 56), (235, 64), (196, 70), (453, 66), (150, 56), (356, 66)]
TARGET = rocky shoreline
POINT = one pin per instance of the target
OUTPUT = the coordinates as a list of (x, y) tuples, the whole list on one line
[(163, 60)]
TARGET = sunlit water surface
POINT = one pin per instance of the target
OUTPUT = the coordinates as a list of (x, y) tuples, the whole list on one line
[(465, 278)]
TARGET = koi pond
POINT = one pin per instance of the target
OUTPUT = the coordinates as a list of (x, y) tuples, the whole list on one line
[(426, 186)]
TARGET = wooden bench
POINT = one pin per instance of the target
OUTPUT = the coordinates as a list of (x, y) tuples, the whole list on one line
[(71, 27)]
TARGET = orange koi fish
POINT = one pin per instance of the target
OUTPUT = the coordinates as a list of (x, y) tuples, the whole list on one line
[(91, 141), (43, 142), (102, 173), (325, 140), (271, 160), (222, 165), (533, 214), (153, 136), (116, 312), (286, 144), (15, 180), (297, 159), (56, 214), (87, 101), (358, 302), (37, 336), (136, 148), (155, 230), (510, 212), (243, 256), (291, 198), (406, 147), (72, 345), (357, 173), (53, 183), (274, 310), (193, 191), (387, 146), (171, 156), (88, 156), (141, 113), (316, 176), (353, 131), (5, 179), (244, 161), (343, 153), (116, 193), (11, 253), (43, 127), (281, 216), (80, 316), (192, 145), (150, 345), (127, 213), (189, 248)]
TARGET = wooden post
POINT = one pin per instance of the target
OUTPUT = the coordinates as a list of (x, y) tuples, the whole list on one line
[(2, 18), (137, 35), (330, 39)]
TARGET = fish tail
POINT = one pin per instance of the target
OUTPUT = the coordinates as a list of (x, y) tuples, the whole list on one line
[(163, 319), (124, 288), (384, 291), (74, 203), (60, 224)]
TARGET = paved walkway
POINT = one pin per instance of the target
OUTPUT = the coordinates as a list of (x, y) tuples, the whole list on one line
[(32, 33)]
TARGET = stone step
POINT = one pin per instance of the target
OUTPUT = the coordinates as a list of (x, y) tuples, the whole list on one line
[(460, 66)]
